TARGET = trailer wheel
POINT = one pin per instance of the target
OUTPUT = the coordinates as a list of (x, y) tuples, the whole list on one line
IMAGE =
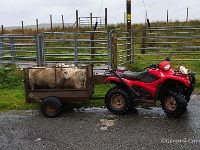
[(51, 107), (174, 104), (117, 101)]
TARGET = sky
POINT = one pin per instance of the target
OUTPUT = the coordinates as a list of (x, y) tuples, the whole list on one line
[(12, 12)]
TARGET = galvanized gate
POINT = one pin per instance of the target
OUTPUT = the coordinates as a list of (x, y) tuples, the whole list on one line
[(106, 49), (76, 47), (18, 49)]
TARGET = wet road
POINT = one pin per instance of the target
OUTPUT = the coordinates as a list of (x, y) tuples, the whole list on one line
[(96, 128)]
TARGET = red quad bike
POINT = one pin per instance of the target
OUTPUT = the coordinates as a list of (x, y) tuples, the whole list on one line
[(160, 82)]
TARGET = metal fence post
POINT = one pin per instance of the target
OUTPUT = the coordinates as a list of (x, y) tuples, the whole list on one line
[(1, 46), (143, 40), (110, 36), (39, 50), (132, 47), (12, 49), (75, 49), (92, 44)]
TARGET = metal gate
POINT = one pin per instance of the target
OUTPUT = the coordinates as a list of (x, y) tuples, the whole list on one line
[(18, 49), (76, 47), (106, 49)]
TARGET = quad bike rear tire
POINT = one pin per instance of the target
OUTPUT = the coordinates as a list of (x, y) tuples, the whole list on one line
[(51, 107), (174, 104), (117, 101)]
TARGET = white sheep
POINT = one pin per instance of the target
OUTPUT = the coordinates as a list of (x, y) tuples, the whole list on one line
[(51, 77), (65, 65), (77, 78)]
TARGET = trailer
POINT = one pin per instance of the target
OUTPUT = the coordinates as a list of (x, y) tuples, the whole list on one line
[(52, 99)]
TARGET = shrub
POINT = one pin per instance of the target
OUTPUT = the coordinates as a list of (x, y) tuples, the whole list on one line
[(10, 77)]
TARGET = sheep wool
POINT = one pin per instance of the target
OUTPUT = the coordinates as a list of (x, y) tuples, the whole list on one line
[(51, 77)]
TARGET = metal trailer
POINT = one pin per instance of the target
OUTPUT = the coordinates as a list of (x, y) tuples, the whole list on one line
[(52, 99)]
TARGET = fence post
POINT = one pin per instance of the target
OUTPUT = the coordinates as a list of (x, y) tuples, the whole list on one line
[(114, 51), (75, 49), (77, 18), (2, 31), (22, 27), (39, 50), (90, 19), (143, 40), (1, 46), (128, 47), (106, 17), (12, 49), (92, 44), (63, 23), (37, 27), (51, 22)]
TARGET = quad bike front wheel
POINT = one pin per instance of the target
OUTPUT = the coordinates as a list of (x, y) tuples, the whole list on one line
[(117, 101), (174, 104)]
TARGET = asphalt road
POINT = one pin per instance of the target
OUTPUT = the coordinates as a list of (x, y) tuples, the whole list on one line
[(96, 128)]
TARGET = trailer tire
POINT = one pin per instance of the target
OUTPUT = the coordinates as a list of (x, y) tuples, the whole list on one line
[(51, 107), (117, 101)]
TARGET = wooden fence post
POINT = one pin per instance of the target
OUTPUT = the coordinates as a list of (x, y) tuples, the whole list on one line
[(143, 40), (63, 23), (2, 31), (114, 52), (51, 22), (77, 18), (22, 27), (167, 16), (37, 27), (91, 19), (187, 15), (106, 17)]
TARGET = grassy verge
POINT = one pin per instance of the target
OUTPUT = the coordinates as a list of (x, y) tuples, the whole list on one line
[(14, 99)]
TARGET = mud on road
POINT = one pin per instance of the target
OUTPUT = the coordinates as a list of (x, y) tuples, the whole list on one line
[(97, 128)]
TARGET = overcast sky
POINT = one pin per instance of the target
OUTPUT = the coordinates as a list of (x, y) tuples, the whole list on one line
[(12, 12)]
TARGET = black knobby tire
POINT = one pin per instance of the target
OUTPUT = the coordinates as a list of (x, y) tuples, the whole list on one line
[(117, 101), (51, 107), (174, 104)]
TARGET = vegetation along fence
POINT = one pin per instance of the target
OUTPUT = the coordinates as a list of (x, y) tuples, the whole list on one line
[(104, 48)]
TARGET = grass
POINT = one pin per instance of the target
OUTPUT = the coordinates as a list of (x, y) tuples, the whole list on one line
[(14, 99)]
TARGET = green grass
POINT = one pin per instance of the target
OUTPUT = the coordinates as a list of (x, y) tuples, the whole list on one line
[(14, 99)]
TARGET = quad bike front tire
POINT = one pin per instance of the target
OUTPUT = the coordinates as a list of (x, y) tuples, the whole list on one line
[(51, 107), (117, 101), (174, 104)]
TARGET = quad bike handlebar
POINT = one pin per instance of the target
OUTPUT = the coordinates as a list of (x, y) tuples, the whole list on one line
[(168, 58)]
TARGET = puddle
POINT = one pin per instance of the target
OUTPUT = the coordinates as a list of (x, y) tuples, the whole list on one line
[(93, 109)]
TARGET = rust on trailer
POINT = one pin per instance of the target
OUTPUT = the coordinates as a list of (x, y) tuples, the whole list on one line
[(63, 94)]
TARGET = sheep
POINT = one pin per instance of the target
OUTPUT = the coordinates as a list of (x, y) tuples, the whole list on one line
[(51, 77), (65, 66), (77, 78)]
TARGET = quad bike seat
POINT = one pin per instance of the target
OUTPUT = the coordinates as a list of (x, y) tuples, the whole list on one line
[(132, 76)]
